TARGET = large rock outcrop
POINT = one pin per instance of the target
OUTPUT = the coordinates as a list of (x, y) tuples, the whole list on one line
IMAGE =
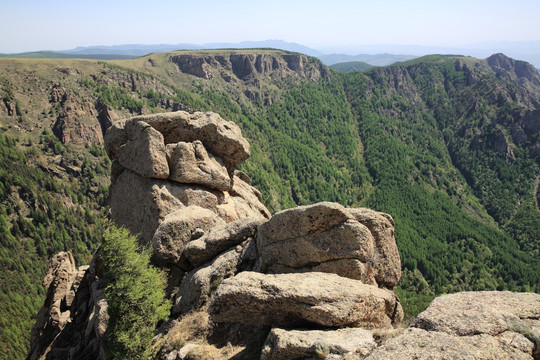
[(245, 65), (471, 325), (168, 162), (73, 321)]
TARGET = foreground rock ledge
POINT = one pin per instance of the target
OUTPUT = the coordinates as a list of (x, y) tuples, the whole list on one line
[(309, 299), (483, 325)]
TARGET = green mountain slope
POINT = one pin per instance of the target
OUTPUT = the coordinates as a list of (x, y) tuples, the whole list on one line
[(448, 145), (351, 66)]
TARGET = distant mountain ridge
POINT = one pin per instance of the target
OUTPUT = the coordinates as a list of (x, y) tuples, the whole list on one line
[(376, 55)]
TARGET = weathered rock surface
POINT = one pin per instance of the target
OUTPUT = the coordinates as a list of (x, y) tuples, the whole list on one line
[(471, 325), (76, 121), (300, 221), (247, 200), (303, 299), (165, 162), (52, 317), (198, 286), (479, 312), (326, 237), (423, 345), (386, 261), (221, 138), (73, 321), (219, 239), (178, 228), (301, 344), (347, 240), (349, 268), (141, 204), (190, 163), (144, 152)]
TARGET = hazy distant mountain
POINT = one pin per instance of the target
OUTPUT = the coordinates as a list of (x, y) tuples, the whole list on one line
[(131, 49), (522, 50), (141, 49), (377, 55), (60, 55), (375, 60), (351, 66), (274, 44)]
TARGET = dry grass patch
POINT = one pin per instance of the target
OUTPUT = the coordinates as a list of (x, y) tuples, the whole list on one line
[(195, 328)]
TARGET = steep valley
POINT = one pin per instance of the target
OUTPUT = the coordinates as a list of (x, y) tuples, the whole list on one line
[(448, 145)]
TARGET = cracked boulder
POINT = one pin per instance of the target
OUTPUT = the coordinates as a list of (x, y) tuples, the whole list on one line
[(327, 237), (308, 299), (190, 163)]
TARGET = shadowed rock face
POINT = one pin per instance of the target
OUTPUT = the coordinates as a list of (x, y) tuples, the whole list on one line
[(73, 321), (302, 344)]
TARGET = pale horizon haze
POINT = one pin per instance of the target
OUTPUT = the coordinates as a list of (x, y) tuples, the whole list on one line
[(60, 25)]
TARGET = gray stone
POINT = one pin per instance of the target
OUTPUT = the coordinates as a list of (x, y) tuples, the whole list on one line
[(190, 163), (479, 312), (471, 325), (198, 286), (434, 345), (386, 263), (221, 138), (303, 299), (219, 239), (349, 268), (301, 221), (144, 152), (326, 237), (176, 231), (141, 204), (300, 344), (347, 240)]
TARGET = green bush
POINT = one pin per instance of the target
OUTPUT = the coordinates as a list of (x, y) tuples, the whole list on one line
[(135, 294)]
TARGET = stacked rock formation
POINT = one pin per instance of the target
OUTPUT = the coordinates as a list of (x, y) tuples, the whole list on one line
[(321, 272), (320, 266), (176, 167)]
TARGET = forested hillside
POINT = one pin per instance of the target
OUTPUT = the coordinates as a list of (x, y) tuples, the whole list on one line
[(449, 146)]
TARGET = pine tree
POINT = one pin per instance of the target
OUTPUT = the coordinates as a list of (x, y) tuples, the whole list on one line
[(135, 295)]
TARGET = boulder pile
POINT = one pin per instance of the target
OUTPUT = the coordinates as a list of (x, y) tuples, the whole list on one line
[(179, 170)]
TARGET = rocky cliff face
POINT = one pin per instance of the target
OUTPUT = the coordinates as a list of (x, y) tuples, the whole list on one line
[(310, 282), (72, 322), (239, 66)]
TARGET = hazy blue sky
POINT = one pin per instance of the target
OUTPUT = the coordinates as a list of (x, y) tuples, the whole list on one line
[(29, 25)]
